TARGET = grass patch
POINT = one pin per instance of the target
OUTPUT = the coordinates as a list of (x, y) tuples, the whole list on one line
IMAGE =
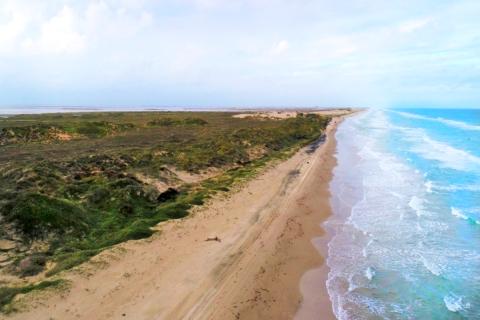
[(36, 215), (66, 261), (7, 294), (167, 121)]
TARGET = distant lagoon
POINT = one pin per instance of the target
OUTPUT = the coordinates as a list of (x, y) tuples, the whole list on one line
[(72, 109)]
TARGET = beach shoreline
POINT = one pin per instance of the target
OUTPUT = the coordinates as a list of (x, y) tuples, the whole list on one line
[(265, 231)]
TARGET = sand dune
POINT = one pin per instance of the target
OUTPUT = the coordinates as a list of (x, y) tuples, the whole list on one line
[(253, 270)]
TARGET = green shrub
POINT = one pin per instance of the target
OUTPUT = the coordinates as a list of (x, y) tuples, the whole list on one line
[(36, 215), (177, 122), (68, 260), (8, 293), (194, 121), (137, 230), (163, 122), (175, 210), (101, 128)]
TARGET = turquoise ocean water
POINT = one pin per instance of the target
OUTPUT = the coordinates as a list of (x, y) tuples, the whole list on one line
[(406, 229)]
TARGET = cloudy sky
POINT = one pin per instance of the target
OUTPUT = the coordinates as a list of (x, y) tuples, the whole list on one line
[(240, 53)]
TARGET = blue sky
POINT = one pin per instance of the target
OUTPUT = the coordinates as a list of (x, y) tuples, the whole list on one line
[(240, 53)]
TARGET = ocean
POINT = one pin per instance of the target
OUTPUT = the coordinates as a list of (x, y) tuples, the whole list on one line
[(406, 225)]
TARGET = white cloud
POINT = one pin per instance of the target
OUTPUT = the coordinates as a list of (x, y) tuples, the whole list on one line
[(333, 47), (281, 47), (50, 28), (229, 47), (414, 25), (58, 35), (105, 20), (11, 30)]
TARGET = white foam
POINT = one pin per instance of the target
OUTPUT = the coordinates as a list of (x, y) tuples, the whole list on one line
[(390, 186), (459, 214), (449, 122), (351, 284), (396, 194), (455, 303), (457, 187), (459, 124), (417, 205), (411, 115), (370, 273), (431, 266), (451, 157), (418, 227), (432, 149), (364, 252), (428, 186)]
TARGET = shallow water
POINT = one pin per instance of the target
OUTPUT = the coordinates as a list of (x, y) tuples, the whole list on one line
[(6, 111), (406, 223)]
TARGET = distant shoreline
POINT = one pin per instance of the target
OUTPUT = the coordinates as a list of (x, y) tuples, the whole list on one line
[(11, 111)]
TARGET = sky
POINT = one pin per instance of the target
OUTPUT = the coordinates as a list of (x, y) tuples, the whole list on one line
[(378, 53)]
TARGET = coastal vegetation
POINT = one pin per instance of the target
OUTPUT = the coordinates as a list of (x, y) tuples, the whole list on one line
[(73, 185)]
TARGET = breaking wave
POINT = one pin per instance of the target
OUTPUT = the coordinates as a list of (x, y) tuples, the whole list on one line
[(448, 122)]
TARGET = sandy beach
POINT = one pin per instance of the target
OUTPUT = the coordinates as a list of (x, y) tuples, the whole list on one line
[(239, 160), (256, 268)]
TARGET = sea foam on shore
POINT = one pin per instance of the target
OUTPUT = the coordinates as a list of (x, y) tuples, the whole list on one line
[(403, 245)]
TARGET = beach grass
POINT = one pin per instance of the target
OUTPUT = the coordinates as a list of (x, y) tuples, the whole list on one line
[(7, 294)]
